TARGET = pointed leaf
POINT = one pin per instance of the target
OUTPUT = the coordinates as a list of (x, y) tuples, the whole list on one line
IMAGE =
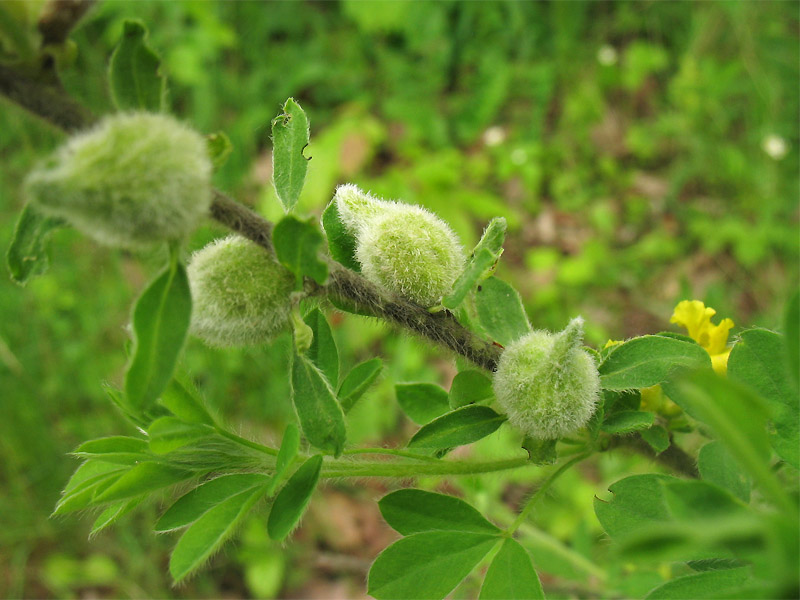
[(500, 311), (160, 323), (114, 513), (657, 438), (144, 477), (297, 244), (358, 381), (194, 504), (209, 532), (170, 433), (718, 466), (462, 426), (27, 255), (412, 511), (290, 445), (341, 242), (422, 402), (627, 421), (427, 565), (85, 493), (183, 402), (481, 262), (291, 501), (511, 575), (319, 412), (134, 72), (323, 352), (116, 449), (709, 584), (290, 136), (647, 360)]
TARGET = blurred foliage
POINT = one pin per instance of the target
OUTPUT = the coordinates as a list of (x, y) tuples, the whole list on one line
[(641, 152)]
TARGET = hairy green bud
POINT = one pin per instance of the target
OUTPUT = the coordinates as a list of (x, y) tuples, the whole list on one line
[(403, 248), (547, 384), (134, 179), (240, 293)]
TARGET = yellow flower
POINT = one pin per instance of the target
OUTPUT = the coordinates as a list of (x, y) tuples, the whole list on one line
[(695, 317)]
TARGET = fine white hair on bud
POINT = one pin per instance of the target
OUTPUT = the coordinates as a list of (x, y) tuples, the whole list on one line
[(240, 293), (132, 180), (412, 252), (356, 207), (547, 384)]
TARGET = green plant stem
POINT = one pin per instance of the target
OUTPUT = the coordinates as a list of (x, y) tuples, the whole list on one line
[(391, 452), (333, 469), (542, 489)]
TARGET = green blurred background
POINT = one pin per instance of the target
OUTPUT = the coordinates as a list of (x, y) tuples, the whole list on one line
[(642, 153)]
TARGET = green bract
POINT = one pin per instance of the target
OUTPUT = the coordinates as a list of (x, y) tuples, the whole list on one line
[(547, 384), (134, 179), (401, 247), (240, 293)]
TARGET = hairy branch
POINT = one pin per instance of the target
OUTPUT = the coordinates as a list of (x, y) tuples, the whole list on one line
[(345, 287), (673, 457)]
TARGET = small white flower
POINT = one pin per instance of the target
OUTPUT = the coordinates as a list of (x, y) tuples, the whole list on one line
[(607, 55), (775, 146), (494, 136)]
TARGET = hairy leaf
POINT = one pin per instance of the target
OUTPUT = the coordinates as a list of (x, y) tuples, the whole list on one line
[(144, 477), (483, 258), (323, 351), (657, 437), (358, 381), (638, 500), (297, 244), (341, 243), (290, 136), (413, 511), (115, 449), (291, 501), (469, 387), (320, 414), (169, 433), (219, 148), (627, 421), (114, 513), (710, 584), (718, 466), (647, 360), (462, 426), (27, 255), (160, 324), (290, 445), (183, 402), (134, 72)]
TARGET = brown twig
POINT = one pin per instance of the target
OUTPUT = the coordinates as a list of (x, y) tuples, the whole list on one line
[(59, 17), (673, 457)]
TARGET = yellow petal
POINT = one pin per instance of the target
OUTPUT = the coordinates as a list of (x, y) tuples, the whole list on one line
[(695, 317), (718, 337), (610, 343), (720, 361)]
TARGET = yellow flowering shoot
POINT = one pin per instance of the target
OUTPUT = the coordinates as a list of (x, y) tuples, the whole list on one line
[(695, 317)]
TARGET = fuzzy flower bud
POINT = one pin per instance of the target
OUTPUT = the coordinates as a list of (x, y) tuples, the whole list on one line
[(240, 293), (134, 179), (403, 248), (547, 385)]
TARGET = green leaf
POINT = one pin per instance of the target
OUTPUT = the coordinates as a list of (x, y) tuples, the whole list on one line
[(791, 331), (481, 262), (638, 501), (697, 500), (358, 381), (323, 352), (290, 136), (422, 402), (169, 433), (291, 501), (647, 360), (114, 513), (134, 72), (160, 323), (194, 504), (470, 387), (627, 421), (319, 412), (411, 511), (657, 438), (500, 311), (462, 426), (115, 449), (209, 532), (90, 478), (427, 565), (219, 148), (718, 466), (511, 575), (756, 361), (341, 242), (28, 255), (540, 452), (144, 477), (297, 245), (710, 584), (290, 445), (737, 418), (183, 402)]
